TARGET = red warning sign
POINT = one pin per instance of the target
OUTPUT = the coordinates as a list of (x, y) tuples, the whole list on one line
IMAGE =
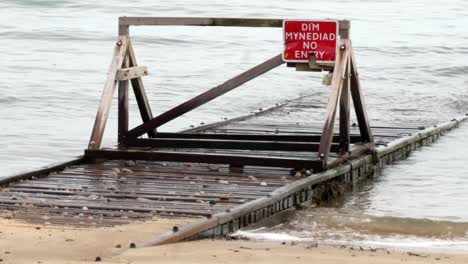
[(302, 37)]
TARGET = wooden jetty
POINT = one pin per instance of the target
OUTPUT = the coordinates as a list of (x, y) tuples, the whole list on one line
[(226, 175)]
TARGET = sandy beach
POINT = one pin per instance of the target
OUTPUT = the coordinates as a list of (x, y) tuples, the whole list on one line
[(32, 243)]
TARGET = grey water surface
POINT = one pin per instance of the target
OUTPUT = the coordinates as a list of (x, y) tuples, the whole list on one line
[(413, 65)]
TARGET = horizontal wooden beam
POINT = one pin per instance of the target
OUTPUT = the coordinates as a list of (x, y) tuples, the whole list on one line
[(271, 137), (182, 143), (235, 160), (213, 21), (207, 96), (131, 73), (199, 21)]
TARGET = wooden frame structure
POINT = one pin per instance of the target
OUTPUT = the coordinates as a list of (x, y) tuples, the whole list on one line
[(124, 68)]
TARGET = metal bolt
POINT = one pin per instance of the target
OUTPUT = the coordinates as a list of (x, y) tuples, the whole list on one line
[(119, 43)]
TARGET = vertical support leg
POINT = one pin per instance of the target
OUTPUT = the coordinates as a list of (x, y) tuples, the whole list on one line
[(123, 108), (344, 111), (140, 94), (359, 104), (337, 83), (107, 94)]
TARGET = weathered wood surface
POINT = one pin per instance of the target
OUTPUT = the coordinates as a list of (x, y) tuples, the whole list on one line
[(131, 73), (231, 158), (168, 189), (336, 89), (344, 111), (199, 21), (359, 102), (123, 113), (140, 93), (107, 93)]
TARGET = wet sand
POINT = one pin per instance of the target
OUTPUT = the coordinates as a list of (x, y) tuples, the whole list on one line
[(29, 243)]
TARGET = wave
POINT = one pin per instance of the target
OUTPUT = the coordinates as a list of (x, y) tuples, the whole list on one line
[(320, 221)]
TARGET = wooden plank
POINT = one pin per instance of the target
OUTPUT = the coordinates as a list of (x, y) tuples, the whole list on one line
[(140, 94), (337, 83), (227, 144), (40, 172), (359, 103), (123, 108), (206, 96), (268, 137), (124, 22), (199, 21), (107, 94), (344, 111), (131, 73), (237, 160)]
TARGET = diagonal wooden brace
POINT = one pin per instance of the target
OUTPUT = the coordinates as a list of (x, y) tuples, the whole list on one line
[(337, 83), (206, 96), (107, 93)]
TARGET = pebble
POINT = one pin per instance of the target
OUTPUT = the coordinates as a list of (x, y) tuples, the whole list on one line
[(85, 208), (130, 163), (93, 197), (224, 198), (298, 174), (253, 178), (125, 170), (308, 172), (98, 259), (223, 182), (132, 245), (116, 170), (263, 183), (213, 167), (122, 179), (141, 199)]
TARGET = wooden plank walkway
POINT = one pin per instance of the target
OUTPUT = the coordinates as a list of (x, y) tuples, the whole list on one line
[(119, 191)]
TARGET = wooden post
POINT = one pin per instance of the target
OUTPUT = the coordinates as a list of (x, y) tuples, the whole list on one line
[(344, 28), (123, 107), (359, 104), (344, 112), (337, 83), (140, 94), (108, 93)]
